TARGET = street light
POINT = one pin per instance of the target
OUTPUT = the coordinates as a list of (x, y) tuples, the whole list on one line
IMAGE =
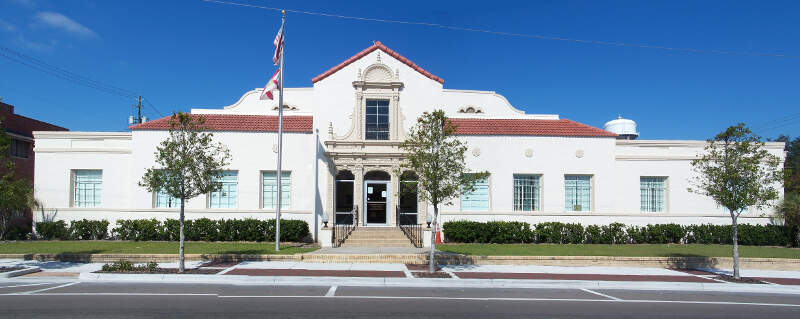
[(325, 220), (429, 220)]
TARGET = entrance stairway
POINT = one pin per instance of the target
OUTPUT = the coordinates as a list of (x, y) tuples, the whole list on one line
[(377, 237)]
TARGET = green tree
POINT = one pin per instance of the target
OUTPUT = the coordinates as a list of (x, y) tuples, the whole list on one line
[(737, 172), (437, 157), (792, 164), (15, 192), (788, 213), (187, 163)]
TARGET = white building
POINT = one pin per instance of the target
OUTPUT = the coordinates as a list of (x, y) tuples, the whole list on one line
[(342, 138)]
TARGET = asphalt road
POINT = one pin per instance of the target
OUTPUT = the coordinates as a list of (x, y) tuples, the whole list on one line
[(124, 300)]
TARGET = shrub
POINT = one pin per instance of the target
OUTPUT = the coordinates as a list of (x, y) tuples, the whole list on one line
[(89, 229), (139, 229), (497, 232), (127, 266), (615, 233), (52, 230), (665, 233)]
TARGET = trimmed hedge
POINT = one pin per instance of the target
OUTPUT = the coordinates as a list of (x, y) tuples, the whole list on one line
[(205, 229), (499, 232)]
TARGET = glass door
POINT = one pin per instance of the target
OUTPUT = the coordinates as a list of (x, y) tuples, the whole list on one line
[(376, 202)]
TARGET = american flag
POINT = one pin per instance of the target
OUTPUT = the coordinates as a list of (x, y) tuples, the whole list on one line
[(278, 42)]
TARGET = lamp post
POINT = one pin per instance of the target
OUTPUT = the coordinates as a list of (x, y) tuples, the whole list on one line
[(429, 219), (325, 220)]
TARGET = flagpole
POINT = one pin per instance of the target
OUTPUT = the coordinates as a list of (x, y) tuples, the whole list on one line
[(280, 138)]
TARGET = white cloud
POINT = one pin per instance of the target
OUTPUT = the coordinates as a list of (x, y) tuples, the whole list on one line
[(62, 22), (8, 27)]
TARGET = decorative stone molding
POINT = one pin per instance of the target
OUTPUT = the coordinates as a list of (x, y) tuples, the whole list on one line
[(476, 152), (286, 107), (579, 154), (529, 152), (471, 109)]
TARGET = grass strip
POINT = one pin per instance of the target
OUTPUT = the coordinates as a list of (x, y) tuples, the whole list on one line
[(650, 250), (145, 247)]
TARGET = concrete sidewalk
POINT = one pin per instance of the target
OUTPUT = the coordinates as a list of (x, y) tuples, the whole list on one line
[(396, 270)]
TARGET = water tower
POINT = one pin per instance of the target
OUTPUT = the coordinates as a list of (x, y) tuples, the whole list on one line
[(625, 128)]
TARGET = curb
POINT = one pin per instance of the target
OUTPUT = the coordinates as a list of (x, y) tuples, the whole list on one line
[(434, 282), (441, 258), (16, 273)]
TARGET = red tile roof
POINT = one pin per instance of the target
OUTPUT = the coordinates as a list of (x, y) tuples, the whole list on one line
[(239, 123), (562, 127), (377, 45)]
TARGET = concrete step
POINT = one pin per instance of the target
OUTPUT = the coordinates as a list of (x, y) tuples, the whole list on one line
[(349, 243)]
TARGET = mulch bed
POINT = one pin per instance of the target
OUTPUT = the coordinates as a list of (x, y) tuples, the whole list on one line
[(742, 280), (421, 267), (425, 274), (317, 273), (593, 277), (7, 269), (219, 264), (193, 271)]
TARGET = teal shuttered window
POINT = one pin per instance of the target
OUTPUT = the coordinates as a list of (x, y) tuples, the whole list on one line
[(269, 190), (478, 198), (578, 193), (227, 196), (87, 188), (653, 194), (526, 192)]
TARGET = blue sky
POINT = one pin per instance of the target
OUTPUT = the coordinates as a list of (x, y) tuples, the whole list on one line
[(189, 53)]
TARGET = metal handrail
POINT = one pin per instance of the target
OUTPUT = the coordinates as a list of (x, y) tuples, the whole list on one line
[(342, 231), (412, 230)]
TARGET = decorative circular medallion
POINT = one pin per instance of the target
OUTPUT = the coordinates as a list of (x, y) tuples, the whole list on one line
[(476, 152), (579, 153), (529, 152)]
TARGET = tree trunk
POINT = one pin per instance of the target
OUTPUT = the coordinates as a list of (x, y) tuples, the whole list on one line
[(181, 266), (735, 249), (431, 256)]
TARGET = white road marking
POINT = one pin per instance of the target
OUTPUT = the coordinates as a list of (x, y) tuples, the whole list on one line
[(116, 294), (26, 285), (407, 272), (536, 299), (451, 273), (46, 289), (227, 269), (600, 294), (331, 292)]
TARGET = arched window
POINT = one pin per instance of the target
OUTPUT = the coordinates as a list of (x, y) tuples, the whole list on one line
[(408, 198), (344, 198)]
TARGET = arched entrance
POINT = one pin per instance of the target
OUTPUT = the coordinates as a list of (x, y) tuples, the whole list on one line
[(377, 201)]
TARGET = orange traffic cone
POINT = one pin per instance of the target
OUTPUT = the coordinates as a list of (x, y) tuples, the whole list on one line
[(438, 237)]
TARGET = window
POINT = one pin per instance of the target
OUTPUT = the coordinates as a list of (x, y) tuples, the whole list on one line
[(19, 148), (578, 193), (227, 195), (653, 193), (87, 187), (526, 192), (478, 199), (269, 189), (377, 120), (344, 198), (163, 200), (408, 198)]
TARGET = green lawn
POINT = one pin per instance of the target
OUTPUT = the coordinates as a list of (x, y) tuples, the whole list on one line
[(144, 247), (619, 250)]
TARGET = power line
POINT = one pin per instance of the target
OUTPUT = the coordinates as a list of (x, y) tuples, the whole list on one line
[(63, 74), (42, 66), (512, 34)]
